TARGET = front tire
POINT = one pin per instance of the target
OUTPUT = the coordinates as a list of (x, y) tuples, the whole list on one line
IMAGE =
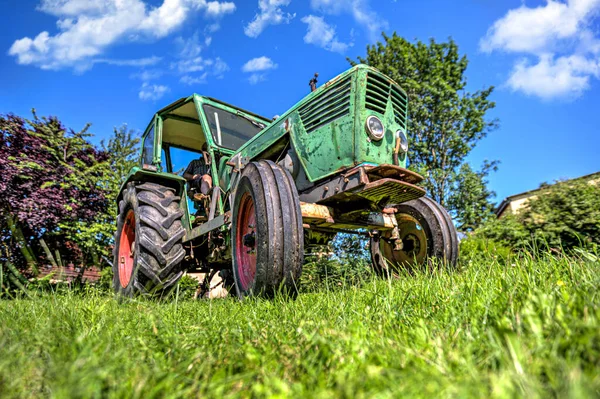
[(267, 232), (148, 251), (428, 236)]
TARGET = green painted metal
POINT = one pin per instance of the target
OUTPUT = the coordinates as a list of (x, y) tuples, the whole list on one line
[(343, 143), (326, 129)]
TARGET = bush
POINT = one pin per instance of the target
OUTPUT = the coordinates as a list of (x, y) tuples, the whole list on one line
[(563, 216)]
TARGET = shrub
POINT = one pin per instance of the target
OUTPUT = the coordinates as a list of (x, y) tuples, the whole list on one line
[(563, 216)]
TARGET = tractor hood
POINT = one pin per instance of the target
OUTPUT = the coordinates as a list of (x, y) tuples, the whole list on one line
[(329, 128)]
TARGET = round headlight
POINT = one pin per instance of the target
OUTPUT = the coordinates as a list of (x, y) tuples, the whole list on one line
[(403, 140), (375, 128)]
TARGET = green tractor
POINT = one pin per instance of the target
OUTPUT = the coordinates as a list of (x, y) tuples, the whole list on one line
[(334, 162)]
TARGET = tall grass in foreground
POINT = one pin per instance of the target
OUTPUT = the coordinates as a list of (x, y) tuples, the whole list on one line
[(521, 327)]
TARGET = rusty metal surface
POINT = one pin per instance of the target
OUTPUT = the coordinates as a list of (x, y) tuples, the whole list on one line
[(366, 187), (313, 213), (316, 216), (348, 181), (374, 196), (392, 171), (390, 191)]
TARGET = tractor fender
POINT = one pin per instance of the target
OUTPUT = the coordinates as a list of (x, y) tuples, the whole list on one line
[(166, 179)]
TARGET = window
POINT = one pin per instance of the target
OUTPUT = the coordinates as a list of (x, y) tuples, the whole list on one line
[(180, 159), (232, 130), (148, 152), (163, 160)]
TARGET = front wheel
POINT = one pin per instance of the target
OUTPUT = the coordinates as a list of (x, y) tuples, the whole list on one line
[(148, 250), (267, 232), (428, 237)]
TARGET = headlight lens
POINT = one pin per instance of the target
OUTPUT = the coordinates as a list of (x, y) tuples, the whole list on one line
[(403, 141), (375, 128)]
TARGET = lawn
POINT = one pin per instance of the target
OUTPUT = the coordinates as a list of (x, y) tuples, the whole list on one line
[(521, 327)]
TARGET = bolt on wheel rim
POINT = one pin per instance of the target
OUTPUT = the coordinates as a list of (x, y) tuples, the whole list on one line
[(246, 242), (127, 249)]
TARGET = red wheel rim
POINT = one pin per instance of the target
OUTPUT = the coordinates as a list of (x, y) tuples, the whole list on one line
[(127, 249), (245, 239)]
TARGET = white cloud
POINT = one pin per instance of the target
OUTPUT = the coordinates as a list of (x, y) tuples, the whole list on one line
[(208, 67), (537, 29), (146, 75), (257, 78), (321, 34), (258, 68), (360, 11), (270, 14), (557, 35), (259, 64), (194, 80), (219, 68), (87, 29), (75, 7), (138, 62), (191, 66), (551, 78), (152, 92), (208, 31), (188, 47), (217, 9)]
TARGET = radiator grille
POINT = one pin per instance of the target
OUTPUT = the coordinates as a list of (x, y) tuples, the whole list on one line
[(332, 105), (379, 91)]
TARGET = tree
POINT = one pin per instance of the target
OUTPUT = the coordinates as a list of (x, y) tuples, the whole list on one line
[(50, 188), (123, 150), (96, 236), (471, 198), (446, 121)]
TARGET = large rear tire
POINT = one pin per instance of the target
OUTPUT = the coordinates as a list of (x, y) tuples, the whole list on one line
[(267, 232), (428, 236), (148, 250)]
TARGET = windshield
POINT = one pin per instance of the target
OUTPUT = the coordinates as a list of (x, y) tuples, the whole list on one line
[(230, 130)]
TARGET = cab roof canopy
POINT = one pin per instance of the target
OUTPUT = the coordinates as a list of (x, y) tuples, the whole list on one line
[(182, 127)]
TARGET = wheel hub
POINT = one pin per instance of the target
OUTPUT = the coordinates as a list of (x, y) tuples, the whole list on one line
[(414, 243), (411, 243), (250, 240)]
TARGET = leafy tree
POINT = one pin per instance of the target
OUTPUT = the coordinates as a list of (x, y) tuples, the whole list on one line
[(471, 197), (565, 215), (96, 236), (123, 150), (446, 121), (50, 188)]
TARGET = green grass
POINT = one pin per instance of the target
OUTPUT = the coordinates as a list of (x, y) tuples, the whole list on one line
[(528, 328)]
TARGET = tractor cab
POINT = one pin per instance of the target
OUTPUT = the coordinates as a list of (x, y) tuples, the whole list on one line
[(197, 129)]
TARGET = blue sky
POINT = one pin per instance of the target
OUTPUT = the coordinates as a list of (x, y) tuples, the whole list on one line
[(111, 62)]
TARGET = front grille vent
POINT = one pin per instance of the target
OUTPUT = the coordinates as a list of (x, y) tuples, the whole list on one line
[(331, 105), (379, 91)]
